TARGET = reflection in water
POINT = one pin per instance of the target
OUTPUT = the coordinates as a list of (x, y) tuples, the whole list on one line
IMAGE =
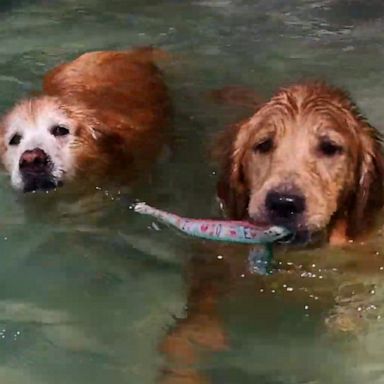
[(89, 291), (307, 323)]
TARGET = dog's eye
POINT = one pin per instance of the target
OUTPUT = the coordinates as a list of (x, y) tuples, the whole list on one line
[(329, 148), (264, 146), (15, 139), (59, 130)]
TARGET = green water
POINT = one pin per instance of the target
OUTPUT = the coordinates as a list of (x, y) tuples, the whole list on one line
[(88, 290)]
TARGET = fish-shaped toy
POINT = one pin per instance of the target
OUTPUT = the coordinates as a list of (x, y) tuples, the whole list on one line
[(217, 230), (244, 232)]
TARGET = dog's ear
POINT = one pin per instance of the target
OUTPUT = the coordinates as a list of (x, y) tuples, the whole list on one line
[(368, 196), (229, 152), (232, 189), (233, 200)]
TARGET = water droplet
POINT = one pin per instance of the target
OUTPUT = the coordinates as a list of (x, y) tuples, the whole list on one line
[(219, 257)]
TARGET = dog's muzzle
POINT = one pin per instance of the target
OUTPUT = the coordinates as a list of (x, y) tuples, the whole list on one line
[(36, 171)]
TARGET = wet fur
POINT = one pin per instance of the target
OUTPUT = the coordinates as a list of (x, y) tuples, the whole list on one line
[(354, 198), (117, 106), (350, 195)]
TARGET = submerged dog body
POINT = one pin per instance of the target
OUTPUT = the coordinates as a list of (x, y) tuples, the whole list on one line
[(306, 159), (103, 115)]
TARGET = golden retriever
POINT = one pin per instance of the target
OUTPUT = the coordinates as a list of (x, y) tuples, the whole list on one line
[(306, 159), (103, 116)]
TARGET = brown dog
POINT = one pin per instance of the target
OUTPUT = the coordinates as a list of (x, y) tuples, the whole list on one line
[(103, 116), (306, 159)]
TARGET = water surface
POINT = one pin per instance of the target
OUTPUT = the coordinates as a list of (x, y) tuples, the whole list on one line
[(88, 291)]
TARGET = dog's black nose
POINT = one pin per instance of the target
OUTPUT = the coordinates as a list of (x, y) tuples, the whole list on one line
[(34, 161), (284, 207)]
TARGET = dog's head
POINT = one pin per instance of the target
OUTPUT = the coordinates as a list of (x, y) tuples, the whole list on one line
[(40, 141), (303, 159)]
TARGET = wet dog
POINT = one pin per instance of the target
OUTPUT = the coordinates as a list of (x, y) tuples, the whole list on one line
[(101, 117), (306, 159)]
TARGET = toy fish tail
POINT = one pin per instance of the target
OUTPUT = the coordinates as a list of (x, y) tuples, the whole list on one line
[(165, 217)]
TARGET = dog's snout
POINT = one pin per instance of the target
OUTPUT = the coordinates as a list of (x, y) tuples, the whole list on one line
[(34, 160), (284, 206), (35, 168)]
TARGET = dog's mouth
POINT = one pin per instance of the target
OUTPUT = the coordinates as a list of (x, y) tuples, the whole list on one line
[(36, 169), (34, 182), (299, 233), (298, 237)]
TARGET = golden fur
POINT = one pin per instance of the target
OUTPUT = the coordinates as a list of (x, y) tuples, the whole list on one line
[(342, 193), (115, 105), (299, 121)]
